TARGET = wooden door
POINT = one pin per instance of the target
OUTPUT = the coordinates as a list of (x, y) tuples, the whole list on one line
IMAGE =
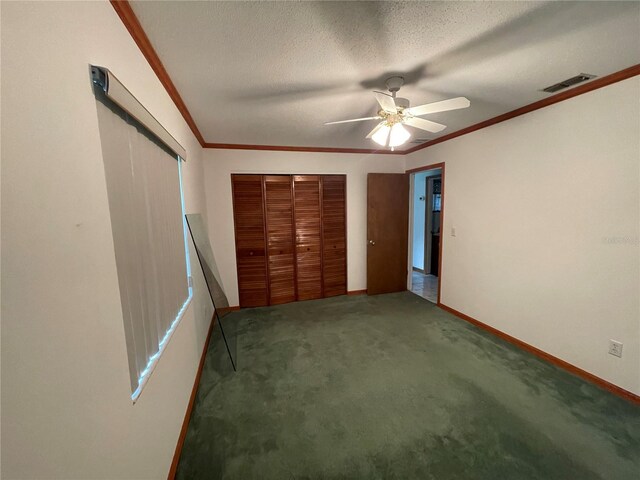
[(249, 220), (387, 232), (307, 219), (334, 235), (280, 234)]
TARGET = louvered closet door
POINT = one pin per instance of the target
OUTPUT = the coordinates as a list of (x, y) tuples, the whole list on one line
[(280, 244), (307, 217), (334, 238), (251, 257)]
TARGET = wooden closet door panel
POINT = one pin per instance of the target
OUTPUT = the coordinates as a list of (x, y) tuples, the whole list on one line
[(252, 282), (280, 244), (307, 217), (334, 234), (248, 215)]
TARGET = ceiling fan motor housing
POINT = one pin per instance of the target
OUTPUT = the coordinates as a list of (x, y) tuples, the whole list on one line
[(394, 83), (402, 103)]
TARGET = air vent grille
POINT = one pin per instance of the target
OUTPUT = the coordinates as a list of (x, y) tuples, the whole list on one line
[(569, 82), (420, 140)]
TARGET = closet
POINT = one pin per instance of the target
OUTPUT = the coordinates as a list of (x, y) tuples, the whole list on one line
[(290, 237)]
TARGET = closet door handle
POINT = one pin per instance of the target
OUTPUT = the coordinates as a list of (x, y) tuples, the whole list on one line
[(372, 243)]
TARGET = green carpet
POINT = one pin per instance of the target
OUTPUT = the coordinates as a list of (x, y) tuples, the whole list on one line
[(391, 386)]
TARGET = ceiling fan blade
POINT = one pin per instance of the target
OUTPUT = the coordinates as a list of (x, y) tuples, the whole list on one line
[(386, 102), (375, 129), (443, 106), (354, 120), (423, 124)]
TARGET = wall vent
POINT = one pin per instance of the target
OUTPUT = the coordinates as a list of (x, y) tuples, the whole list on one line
[(420, 140), (569, 82)]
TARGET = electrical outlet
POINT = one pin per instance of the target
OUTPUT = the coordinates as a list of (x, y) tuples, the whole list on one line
[(615, 348)]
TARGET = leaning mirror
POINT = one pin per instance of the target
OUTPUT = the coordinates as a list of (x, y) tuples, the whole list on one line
[(200, 238)]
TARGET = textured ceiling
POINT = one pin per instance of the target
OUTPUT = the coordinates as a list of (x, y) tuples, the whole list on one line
[(271, 73)]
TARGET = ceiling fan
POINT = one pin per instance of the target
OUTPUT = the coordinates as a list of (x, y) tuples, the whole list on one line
[(395, 112)]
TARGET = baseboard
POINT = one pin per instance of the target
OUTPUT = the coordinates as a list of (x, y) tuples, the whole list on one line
[(621, 392), (192, 399), (226, 310), (357, 292)]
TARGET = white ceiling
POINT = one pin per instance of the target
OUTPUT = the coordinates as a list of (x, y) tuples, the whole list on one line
[(271, 73)]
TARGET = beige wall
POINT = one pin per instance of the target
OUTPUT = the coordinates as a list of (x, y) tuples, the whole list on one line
[(220, 164), (546, 208), (66, 405)]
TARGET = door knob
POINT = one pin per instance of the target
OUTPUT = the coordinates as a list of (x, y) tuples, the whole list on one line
[(371, 242)]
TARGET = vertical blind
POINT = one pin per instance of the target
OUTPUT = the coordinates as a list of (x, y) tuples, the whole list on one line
[(145, 204)]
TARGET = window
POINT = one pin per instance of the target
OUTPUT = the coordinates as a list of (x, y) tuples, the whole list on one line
[(143, 177)]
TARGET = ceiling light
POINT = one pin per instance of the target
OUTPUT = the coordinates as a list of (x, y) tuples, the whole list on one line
[(382, 135), (399, 135)]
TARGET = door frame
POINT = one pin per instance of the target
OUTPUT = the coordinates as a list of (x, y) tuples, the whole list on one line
[(412, 173)]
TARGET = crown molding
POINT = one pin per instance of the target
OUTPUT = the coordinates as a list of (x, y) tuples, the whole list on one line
[(286, 148)]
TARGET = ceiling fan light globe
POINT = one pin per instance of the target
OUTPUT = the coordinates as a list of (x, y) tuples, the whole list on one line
[(399, 135), (382, 135)]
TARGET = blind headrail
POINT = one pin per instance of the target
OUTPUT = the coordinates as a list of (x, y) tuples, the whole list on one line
[(119, 94)]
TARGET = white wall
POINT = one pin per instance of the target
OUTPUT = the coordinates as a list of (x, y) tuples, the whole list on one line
[(66, 405), (546, 208), (220, 164)]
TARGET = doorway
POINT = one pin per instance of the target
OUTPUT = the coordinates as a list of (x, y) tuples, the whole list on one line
[(425, 232)]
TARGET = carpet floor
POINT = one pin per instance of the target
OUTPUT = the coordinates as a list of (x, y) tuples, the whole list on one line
[(391, 386)]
